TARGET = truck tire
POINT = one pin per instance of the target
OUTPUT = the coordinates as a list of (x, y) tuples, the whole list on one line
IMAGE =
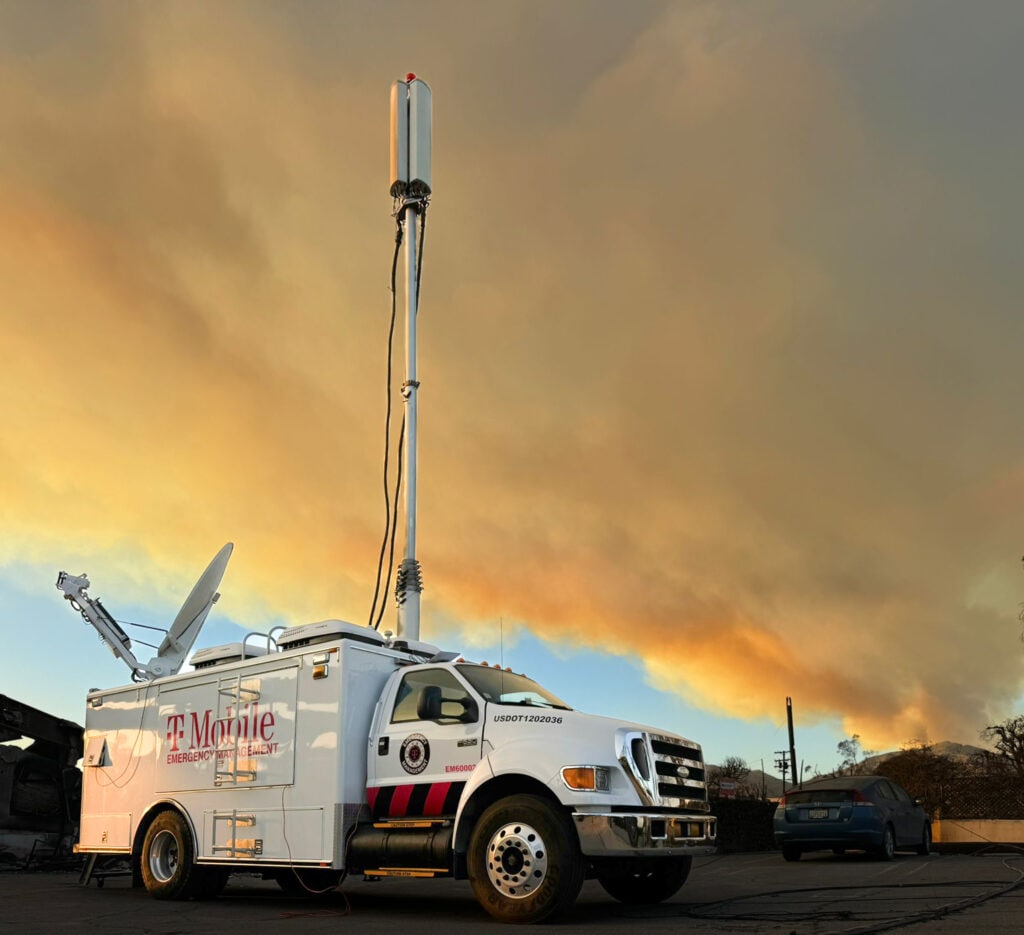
[(639, 882), (524, 860), (169, 868)]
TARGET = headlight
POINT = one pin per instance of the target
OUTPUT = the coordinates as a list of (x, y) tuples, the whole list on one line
[(586, 778)]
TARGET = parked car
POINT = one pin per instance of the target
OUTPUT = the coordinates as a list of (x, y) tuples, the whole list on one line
[(869, 813)]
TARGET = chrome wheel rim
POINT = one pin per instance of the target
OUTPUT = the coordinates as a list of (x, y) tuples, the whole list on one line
[(517, 860), (163, 856)]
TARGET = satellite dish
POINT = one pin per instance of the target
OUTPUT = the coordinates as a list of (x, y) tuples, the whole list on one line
[(183, 632)]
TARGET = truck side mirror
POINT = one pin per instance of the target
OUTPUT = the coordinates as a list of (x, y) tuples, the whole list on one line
[(429, 706), (470, 710)]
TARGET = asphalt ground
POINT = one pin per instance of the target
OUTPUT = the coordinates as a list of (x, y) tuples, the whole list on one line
[(741, 893)]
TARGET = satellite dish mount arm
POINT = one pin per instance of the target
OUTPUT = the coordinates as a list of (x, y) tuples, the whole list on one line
[(74, 588), (178, 640)]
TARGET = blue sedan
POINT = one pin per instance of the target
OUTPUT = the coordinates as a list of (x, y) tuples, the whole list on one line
[(869, 813)]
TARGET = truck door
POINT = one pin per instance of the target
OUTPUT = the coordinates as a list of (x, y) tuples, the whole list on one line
[(428, 743)]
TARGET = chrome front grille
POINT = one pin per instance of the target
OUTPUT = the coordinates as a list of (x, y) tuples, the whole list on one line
[(666, 771)]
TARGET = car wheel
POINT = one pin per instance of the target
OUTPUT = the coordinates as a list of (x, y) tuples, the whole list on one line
[(791, 852), (888, 849), (925, 847), (524, 861), (640, 882), (169, 869)]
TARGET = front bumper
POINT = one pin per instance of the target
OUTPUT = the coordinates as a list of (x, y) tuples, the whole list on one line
[(627, 834)]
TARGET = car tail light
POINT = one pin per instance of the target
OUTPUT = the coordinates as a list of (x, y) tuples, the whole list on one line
[(859, 798)]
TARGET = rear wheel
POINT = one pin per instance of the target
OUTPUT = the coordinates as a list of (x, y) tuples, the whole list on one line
[(888, 849), (791, 852), (925, 847), (524, 860), (168, 859), (644, 881)]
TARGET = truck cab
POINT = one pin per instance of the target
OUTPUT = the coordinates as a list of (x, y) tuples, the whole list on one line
[(476, 748)]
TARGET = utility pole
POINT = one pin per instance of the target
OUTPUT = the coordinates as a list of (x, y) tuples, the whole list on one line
[(792, 746), (782, 763)]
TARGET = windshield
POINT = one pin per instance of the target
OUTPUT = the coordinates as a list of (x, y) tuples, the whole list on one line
[(500, 687)]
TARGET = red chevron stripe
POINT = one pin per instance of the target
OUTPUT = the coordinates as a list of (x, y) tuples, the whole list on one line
[(435, 798), (400, 800)]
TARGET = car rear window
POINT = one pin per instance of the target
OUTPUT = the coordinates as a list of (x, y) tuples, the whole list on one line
[(886, 790), (901, 793), (819, 795)]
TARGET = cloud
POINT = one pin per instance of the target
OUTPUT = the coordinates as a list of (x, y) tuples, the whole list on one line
[(717, 332)]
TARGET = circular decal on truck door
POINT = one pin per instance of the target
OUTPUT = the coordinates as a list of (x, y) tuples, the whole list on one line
[(415, 753)]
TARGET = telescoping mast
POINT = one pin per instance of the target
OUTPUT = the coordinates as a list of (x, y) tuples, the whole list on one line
[(411, 187)]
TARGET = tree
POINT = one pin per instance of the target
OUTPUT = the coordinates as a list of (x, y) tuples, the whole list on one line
[(732, 767), (1008, 739), (852, 753), (926, 774)]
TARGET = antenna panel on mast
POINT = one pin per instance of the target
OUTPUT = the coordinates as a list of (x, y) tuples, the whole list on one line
[(411, 118), (420, 119)]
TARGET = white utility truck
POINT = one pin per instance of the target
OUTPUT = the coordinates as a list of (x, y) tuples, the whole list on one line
[(331, 749), (328, 748)]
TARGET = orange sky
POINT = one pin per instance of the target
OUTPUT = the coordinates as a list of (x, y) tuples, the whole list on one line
[(719, 328)]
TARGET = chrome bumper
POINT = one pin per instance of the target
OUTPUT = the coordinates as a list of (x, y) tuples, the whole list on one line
[(639, 834)]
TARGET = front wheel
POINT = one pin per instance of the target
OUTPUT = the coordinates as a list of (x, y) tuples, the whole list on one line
[(925, 847), (169, 869), (639, 882), (888, 849), (524, 860)]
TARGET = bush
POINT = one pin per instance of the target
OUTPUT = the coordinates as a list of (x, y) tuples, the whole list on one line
[(983, 787), (744, 824), (997, 797)]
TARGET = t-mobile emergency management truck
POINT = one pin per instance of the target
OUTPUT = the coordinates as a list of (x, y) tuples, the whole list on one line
[(328, 748)]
